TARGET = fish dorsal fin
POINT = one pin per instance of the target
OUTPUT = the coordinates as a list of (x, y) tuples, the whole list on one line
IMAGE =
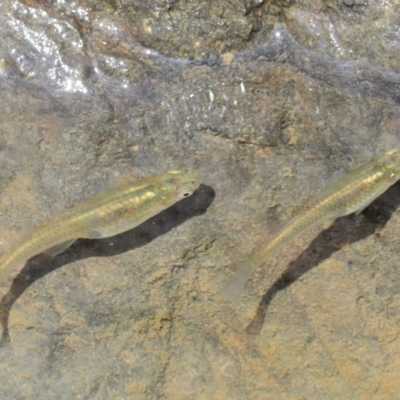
[(118, 180), (59, 248), (131, 176), (299, 209)]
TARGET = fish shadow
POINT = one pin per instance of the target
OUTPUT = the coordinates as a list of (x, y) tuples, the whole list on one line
[(41, 265), (344, 231)]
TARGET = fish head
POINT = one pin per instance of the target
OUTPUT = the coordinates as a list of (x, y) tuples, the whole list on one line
[(391, 165), (184, 181)]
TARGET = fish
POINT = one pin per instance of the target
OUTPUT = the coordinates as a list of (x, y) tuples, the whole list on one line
[(349, 194), (107, 214)]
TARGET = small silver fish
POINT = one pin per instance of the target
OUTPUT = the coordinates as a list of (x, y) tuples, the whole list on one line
[(350, 193), (107, 214)]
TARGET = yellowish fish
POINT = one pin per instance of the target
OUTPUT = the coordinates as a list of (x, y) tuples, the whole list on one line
[(107, 214), (350, 193)]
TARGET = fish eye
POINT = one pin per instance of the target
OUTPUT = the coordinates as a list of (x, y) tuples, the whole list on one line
[(186, 194)]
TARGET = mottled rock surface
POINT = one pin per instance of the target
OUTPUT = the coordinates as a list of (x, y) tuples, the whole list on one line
[(270, 101)]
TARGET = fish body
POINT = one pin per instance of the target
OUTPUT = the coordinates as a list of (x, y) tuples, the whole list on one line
[(107, 214), (350, 193)]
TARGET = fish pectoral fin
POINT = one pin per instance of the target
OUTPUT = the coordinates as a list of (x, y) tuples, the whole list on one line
[(59, 248), (361, 209), (367, 202), (364, 205)]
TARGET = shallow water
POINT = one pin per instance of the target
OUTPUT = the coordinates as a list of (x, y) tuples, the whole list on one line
[(270, 103)]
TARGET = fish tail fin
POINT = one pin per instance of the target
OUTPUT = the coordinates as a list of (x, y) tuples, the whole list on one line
[(4, 338), (235, 286)]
